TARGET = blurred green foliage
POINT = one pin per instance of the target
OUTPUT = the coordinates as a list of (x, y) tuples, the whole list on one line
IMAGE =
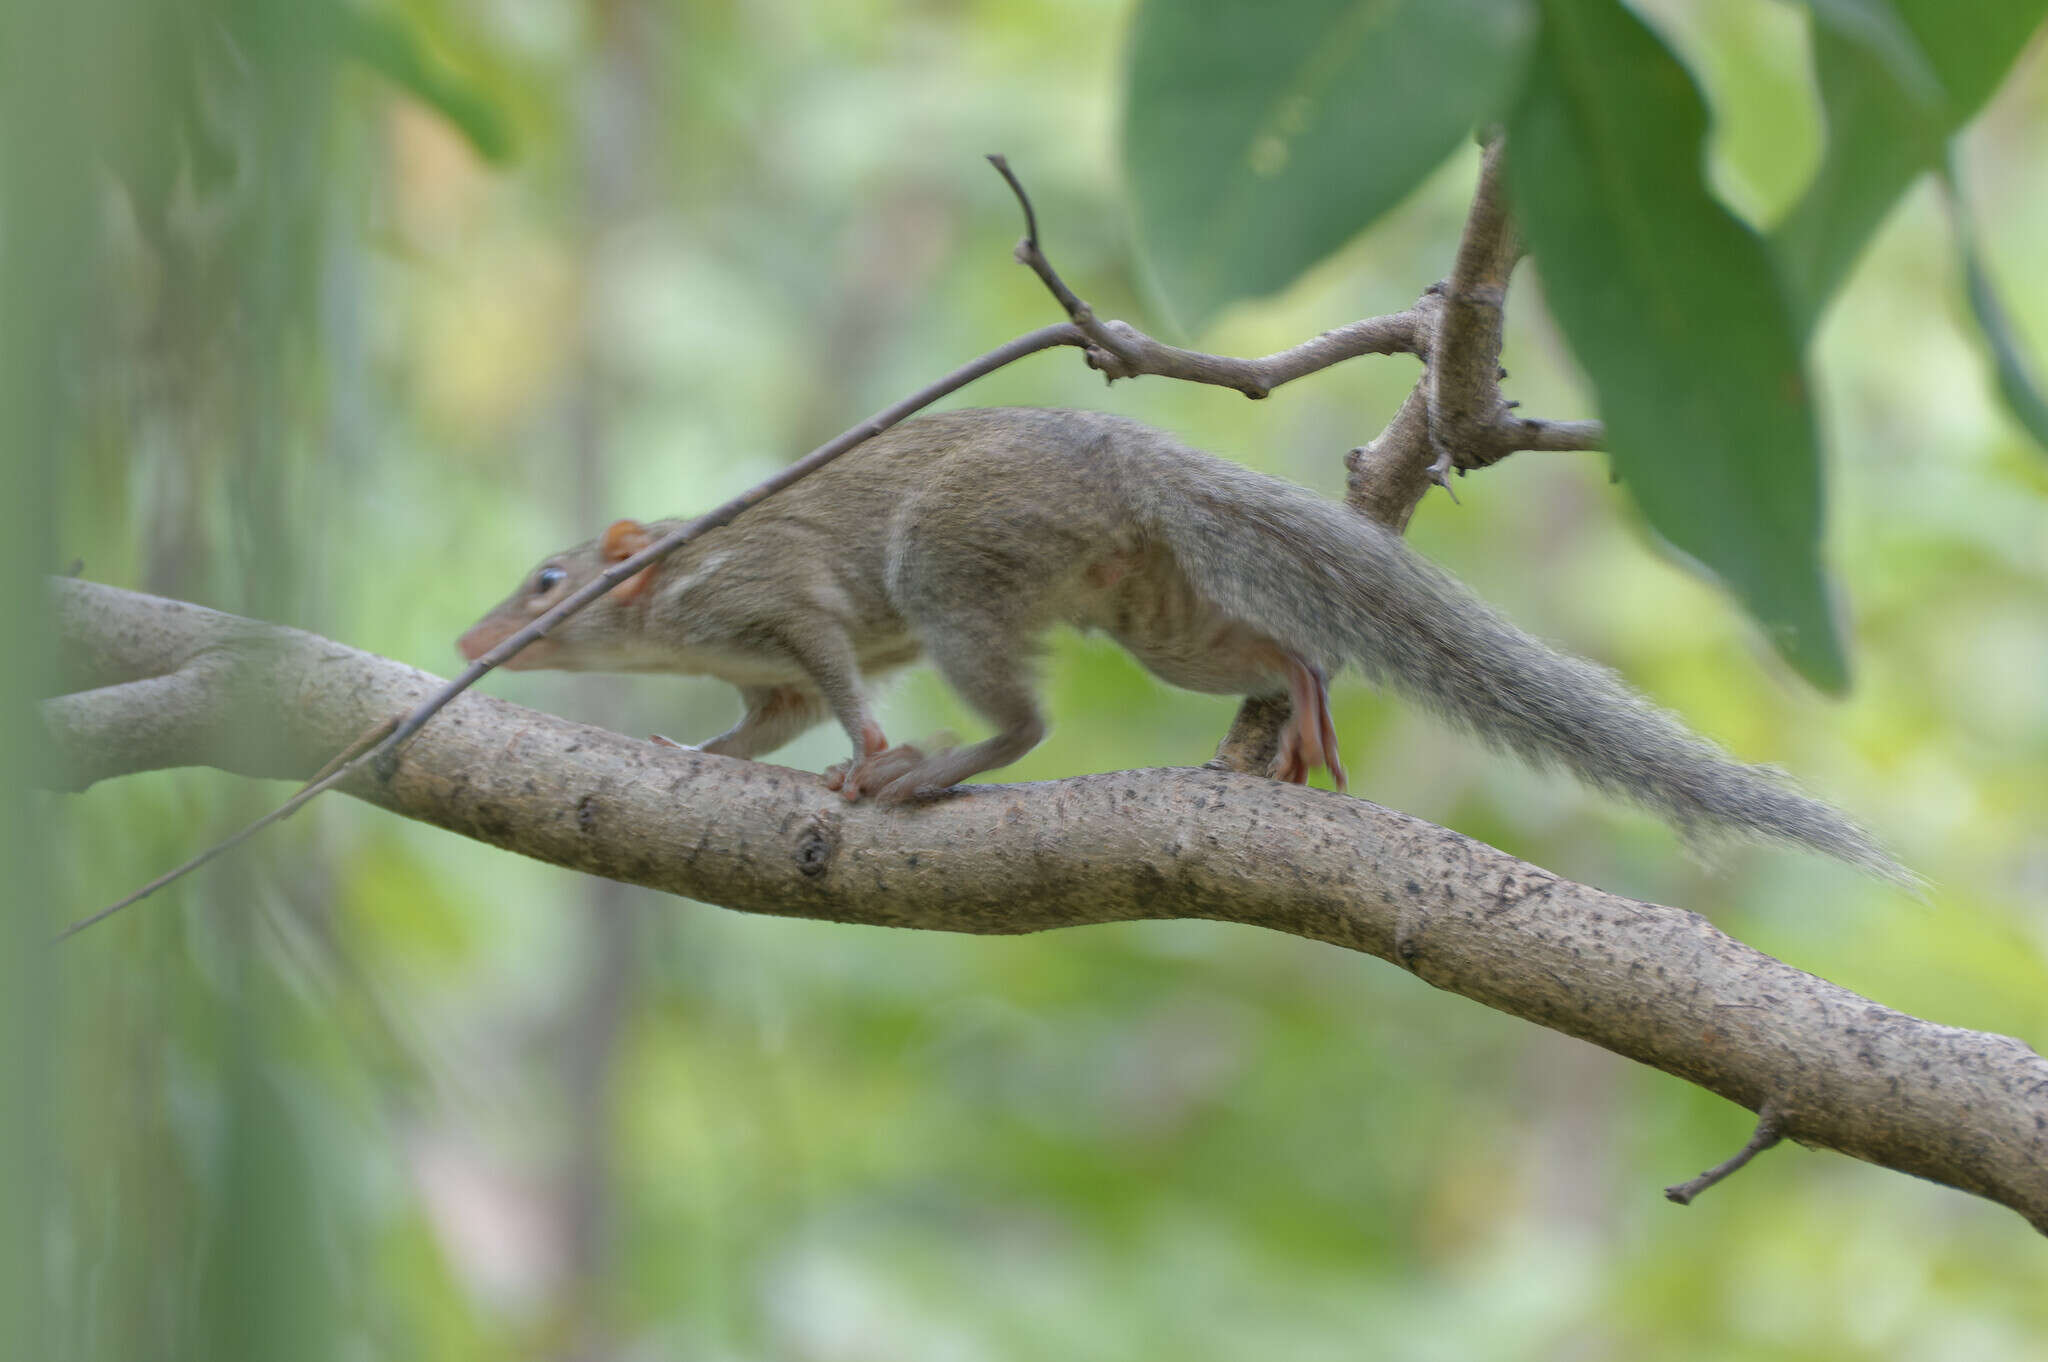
[(1893, 92), (365, 1090)]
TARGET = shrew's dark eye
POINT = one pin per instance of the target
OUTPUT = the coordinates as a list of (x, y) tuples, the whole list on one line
[(548, 578)]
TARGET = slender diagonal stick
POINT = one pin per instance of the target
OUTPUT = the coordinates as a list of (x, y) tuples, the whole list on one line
[(381, 745), (328, 777), (1118, 349), (1045, 338)]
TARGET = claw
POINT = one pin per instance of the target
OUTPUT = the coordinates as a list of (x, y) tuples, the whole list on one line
[(1439, 470), (878, 773)]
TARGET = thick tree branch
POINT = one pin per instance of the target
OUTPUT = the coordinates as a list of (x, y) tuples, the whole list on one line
[(1119, 351), (1655, 984)]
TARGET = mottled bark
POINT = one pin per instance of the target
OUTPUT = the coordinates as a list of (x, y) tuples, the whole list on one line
[(155, 682)]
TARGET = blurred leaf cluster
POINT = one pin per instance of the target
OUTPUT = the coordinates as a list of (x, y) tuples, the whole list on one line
[(344, 314)]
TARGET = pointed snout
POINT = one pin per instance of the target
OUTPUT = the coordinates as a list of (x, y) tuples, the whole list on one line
[(488, 634)]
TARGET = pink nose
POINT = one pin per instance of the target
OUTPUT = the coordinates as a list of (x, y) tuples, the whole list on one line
[(488, 634)]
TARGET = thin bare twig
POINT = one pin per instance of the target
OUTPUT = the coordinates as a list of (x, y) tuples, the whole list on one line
[(1464, 375), (1455, 328), (1456, 417), (1028, 253), (1767, 1133), (326, 778), (1386, 477), (1116, 348), (1523, 432), (1120, 350), (1045, 338), (383, 749), (1470, 424)]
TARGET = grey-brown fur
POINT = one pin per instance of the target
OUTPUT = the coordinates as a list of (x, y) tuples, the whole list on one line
[(965, 535)]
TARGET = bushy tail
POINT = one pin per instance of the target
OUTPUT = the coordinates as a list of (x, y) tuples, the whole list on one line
[(1341, 590)]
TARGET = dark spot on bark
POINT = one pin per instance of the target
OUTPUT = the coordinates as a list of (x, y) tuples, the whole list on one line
[(572, 747), (1412, 887), (586, 814), (492, 824), (817, 845)]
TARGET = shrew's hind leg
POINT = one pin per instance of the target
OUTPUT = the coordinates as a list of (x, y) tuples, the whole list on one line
[(1310, 738), (978, 628)]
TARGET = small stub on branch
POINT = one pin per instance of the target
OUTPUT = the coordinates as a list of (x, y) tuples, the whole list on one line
[(1765, 1135)]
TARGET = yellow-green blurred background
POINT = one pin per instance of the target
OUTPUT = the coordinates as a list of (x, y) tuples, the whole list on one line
[(367, 1090)]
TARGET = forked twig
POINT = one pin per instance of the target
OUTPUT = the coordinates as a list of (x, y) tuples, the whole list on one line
[(382, 746)]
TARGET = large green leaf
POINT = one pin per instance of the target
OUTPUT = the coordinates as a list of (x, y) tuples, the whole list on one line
[(1675, 310), (1259, 138), (1885, 126), (1875, 25)]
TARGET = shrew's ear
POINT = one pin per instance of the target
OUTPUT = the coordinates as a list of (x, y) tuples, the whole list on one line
[(622, 539)]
